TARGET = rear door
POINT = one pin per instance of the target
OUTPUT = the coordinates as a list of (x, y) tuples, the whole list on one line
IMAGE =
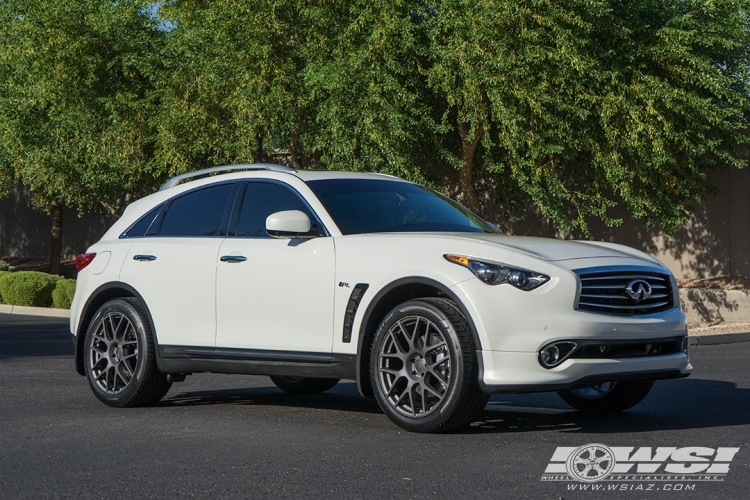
[(274, 294), (173, 265)]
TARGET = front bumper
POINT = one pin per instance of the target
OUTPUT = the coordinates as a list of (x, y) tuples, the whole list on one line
[(518, 372)]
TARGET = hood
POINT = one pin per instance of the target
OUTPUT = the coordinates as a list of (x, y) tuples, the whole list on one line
[(551, 249)]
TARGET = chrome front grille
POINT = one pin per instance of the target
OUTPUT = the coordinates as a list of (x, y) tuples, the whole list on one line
[(625, 292)]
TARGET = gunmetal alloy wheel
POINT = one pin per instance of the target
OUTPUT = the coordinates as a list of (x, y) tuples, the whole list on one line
[(423, 367), (113, 352), (120, 357), (608, 397), (414, 366)]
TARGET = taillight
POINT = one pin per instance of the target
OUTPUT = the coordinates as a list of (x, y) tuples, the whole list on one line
[(84, 260)]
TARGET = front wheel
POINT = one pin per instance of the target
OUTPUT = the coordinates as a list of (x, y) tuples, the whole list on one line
[(423, 367), (120, 357), (609, 397)]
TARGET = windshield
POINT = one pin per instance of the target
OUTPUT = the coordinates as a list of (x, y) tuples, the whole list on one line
[(378, 206)]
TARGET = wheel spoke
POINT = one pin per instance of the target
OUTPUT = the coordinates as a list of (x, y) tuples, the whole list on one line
[(409, 340), (390, 371), (401, 396), (439, 376), (109, 332), (431, 348), (411, 400), (119, 333), (425, 402), (434, 391), (399, 348), (129, 371)]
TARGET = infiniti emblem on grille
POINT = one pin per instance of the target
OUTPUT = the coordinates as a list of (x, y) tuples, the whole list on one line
[(638, 290)]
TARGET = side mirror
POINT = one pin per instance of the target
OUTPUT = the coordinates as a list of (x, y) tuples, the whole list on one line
[(289, 224)]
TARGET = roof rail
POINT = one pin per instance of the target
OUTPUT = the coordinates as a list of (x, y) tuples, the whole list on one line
[(223, 169)]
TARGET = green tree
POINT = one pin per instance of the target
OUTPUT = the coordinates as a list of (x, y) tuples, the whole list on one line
[(373, 109), (578, 105), (232, 87), (333, 84), (75, 102)]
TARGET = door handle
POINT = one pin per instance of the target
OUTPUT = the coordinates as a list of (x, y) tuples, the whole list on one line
[(233, 258), (144, 258)]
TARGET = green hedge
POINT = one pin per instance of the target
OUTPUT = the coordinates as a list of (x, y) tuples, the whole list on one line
[(1, 295), (28, 288), (63, 293), (4, 266)]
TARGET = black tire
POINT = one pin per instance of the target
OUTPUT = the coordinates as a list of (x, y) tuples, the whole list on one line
[(607, 398), (434, 365), (120, 358), (304, 385)]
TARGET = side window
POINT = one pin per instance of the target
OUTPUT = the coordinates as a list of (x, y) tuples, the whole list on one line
[(198, 213), (141, 228), (261, 200)]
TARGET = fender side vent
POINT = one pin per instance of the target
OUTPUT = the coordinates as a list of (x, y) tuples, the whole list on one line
[(351, 310)]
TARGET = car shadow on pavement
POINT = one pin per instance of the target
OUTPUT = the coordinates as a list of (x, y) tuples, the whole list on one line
[(344, 397), (684, 404), (673, 405)]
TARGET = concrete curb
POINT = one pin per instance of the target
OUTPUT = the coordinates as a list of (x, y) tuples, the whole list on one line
[(718, 338), (35, 311)]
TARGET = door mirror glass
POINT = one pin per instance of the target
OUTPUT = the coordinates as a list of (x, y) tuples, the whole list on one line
[(289, 224)]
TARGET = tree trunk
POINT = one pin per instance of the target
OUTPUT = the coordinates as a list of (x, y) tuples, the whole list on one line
[(466, 175), (294, 146), (259, 153), (294, 152), (56, 242)]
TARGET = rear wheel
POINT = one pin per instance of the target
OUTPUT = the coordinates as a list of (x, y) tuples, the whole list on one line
[(304, 385), (423, 367), (120, 358), (609, 397)]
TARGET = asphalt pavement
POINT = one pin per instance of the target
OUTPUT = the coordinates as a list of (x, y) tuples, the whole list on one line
[(222, 436)]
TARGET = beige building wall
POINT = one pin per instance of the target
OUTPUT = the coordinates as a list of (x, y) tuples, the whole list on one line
[(716, 240), (25, 232)]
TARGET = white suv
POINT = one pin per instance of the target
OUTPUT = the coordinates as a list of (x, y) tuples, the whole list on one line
[(311, 277)]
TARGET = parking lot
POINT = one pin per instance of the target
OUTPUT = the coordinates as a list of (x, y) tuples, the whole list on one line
[(221, 436)]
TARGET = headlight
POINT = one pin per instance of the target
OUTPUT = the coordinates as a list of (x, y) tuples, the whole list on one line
[(493, 273)]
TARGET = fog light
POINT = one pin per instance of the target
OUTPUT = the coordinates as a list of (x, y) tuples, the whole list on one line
[(555, 353), (550, 355), (684, 345)]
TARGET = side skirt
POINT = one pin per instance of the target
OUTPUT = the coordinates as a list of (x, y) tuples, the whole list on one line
[(187, 359)]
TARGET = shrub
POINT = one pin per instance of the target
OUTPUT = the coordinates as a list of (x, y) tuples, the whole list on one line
[(4, 266), (1, 275), (27, 288), (63, 293)]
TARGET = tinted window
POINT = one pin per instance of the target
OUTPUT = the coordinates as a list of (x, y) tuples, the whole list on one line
[(261, 200), (139, 228), (198, 213), (372, 206)]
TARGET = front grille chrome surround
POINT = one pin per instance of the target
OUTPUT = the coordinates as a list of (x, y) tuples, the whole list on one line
[(604, 291)]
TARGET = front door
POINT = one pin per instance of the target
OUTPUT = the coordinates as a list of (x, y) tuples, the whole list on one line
[(274, 294)]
